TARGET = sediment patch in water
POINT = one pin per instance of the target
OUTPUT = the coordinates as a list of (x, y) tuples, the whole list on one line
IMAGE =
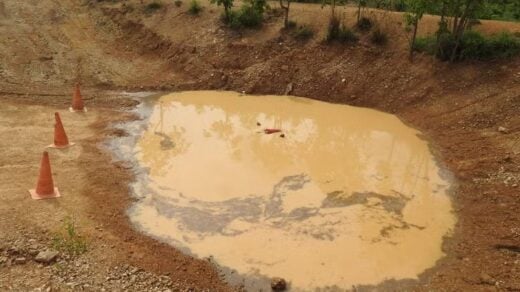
[(342, 196)]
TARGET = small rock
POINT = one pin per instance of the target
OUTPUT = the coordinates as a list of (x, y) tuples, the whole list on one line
[(278, 284), (343, 80), (486, 279), (285, 67), (282, 135), (46, 257), (20, 260), (258, 124), (503, 130), (288, 89)]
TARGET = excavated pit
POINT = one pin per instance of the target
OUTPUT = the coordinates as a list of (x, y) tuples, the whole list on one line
[(341, 197)]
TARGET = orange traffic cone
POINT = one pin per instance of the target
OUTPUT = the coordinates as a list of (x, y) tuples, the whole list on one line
[(60, 138), (45, 187), (77, 101)]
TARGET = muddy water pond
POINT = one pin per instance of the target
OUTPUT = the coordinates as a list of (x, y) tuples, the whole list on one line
[(341, 197)]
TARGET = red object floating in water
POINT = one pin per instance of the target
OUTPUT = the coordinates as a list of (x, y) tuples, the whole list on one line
[(271, 131)]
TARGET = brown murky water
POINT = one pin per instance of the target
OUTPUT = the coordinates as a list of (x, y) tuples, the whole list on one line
[(349, 196)]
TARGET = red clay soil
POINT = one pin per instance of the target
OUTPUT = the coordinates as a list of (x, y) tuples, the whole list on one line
[(469, 111)]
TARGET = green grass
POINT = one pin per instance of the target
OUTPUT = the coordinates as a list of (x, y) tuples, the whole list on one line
[(194, 8), (68, 240)]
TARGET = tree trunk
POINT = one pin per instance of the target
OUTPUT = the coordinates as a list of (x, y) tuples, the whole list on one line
[(332, 8), (456, 12), (286, 20), (459, 30), (286, 12), (359, 11), (442, 26), (414, 36)]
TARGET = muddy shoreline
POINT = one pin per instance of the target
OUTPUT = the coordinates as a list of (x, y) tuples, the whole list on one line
[(126, 154), (451, 245)]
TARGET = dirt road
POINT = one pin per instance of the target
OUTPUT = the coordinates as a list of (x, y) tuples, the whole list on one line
[(47, 45)]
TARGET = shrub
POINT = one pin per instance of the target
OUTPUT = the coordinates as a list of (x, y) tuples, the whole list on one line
[(247, 17), (291, 24), (333, 29), (340, 33), (424, 44), (400, 6), (194, 8), (378, 37), (153, 6), (303, 32), (258, 5), (250, 17), (473, 46), (178, 3), (364, 24), (347, 35)]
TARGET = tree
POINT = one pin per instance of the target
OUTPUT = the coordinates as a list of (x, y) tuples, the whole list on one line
[(361, 3), (286, 12), (416, 10), (332, 7), (465, 11), (228, 4)]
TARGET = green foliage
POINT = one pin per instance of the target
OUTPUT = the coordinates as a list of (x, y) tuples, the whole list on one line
[(378, 37), (303, 32), (258, 5), (68, 240), (152, 7), (364, 24), (227, 4), (178, 3), (425, 44), (415, 10), (400, 6), (250, 15), (194, 8), (246, 17), (487, 9), (499, 10), (339, 33), (473, 46)]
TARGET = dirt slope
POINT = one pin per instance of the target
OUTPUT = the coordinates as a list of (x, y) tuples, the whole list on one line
[(47, 45)]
